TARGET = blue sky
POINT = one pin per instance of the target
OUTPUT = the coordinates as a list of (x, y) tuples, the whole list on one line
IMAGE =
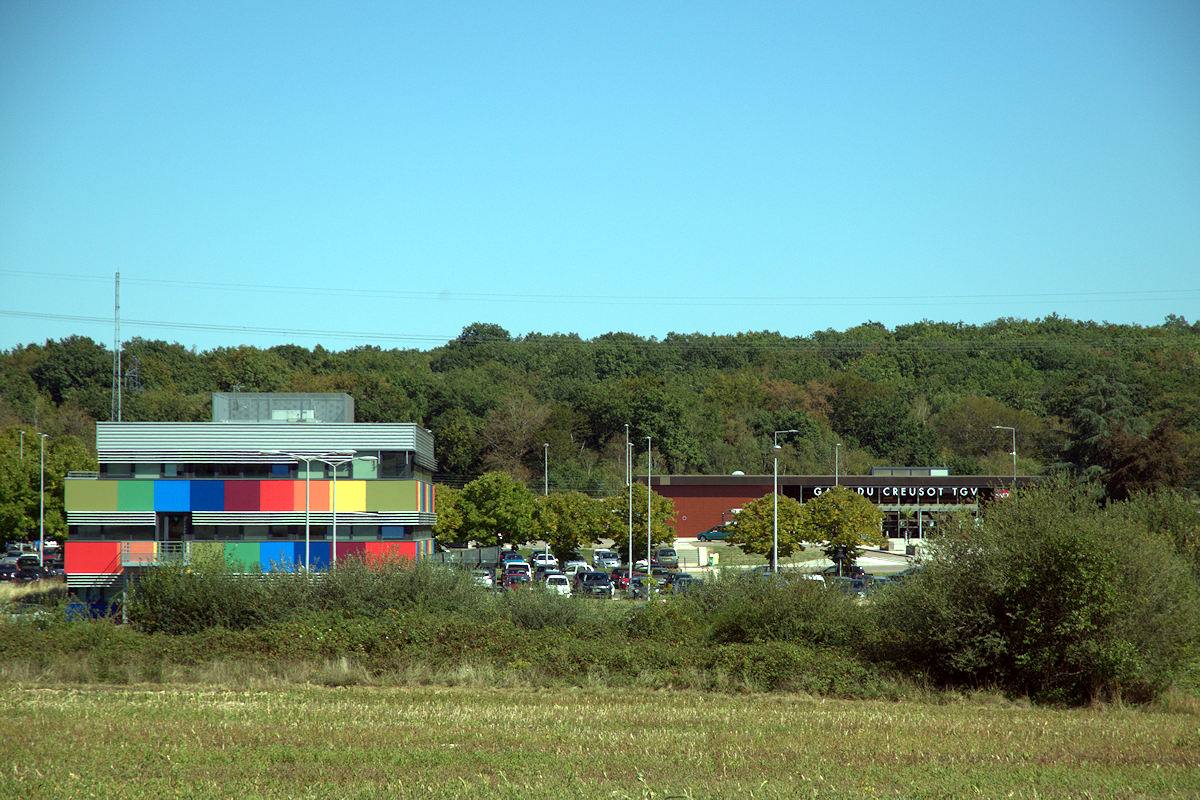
[(387, 173)]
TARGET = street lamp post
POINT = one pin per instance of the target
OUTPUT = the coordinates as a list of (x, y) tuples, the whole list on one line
[(22, 444), (649, 458), (629, 494), (546, 469), (42, 506), (836, 465), (775, 499), (1013, 430)]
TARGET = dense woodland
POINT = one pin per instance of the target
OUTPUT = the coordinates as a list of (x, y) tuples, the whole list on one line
[(1115, 403)]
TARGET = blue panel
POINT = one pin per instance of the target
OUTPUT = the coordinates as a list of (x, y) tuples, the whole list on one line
[(277, 555), (208, 495), (393, 532), (318, 555), (172, 496)]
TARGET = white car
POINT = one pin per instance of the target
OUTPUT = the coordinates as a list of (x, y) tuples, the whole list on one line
[(543, 558), (558, 582), (482, 577), (573, 567), (605, 559)]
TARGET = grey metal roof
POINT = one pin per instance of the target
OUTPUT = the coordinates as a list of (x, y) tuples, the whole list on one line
[(243, 442)]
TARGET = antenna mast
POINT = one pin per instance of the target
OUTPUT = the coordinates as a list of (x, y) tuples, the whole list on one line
[(116, 376)]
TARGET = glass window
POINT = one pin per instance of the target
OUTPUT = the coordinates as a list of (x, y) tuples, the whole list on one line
[(170, 470), (204, 532), (116, 470)]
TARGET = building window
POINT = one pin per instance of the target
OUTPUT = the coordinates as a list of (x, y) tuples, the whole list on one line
[(395, 464), (116, 470)]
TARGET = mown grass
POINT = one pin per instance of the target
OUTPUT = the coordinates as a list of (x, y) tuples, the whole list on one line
[(525, 742)]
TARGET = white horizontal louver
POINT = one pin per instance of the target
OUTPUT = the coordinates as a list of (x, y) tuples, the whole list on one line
[(110, 517), (218, 442)]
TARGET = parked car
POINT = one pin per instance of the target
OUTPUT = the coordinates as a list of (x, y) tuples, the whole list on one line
[(507, 556), (518, 566), (620, 577), (482, 577), (605, 559), (852, 571), (717, 533), (642, 586), (593, 584), (665, 557), (8, 572), (574, 567), (557, 582), (543, 558), (516, 580), (685, 583)]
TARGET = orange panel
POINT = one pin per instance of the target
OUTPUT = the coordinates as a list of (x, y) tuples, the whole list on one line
[(318, 495)]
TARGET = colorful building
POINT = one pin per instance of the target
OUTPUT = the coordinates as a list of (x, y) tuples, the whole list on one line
[(257, 485)]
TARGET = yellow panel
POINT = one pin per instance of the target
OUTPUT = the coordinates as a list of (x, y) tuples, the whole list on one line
[(351, 495)]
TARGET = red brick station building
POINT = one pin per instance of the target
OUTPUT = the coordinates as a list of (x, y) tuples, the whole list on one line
[(911, 498)]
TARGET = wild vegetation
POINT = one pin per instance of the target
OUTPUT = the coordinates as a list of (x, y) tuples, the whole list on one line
[(1051, 597), (1115, 403)]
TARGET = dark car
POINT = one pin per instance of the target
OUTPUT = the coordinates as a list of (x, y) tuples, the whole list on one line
[(620, 578), (685, 583), (593, 584), (516, 580), (850, 571), (8, 572)]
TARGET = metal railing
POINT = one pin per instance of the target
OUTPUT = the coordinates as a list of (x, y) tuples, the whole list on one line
[(140, 554)]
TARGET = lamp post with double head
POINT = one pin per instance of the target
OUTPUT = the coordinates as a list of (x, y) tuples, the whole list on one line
[(1013, 430), (333, 459), (42, 506), (649, 537), (775, 500)]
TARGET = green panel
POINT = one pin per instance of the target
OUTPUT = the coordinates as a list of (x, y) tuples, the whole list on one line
[(90, 495), (243, 556), (135, 495), (391, 496)]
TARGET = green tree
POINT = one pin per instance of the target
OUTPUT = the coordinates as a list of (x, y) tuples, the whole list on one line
[(566, 521), (839, 517), (755, 528), (498, 510), (614, 520), (450, 528)]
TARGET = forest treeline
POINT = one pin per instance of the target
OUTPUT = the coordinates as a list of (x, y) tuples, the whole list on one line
[(1117, 403)]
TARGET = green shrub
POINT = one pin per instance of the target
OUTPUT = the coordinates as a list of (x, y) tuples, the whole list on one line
[(787, 608), (1050, 596)]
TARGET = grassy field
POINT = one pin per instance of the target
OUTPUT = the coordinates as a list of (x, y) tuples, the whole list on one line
[(157, 740)]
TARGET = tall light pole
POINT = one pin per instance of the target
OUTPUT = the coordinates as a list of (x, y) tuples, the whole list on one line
[(836, 466), (1014, 454), (545, 469), (42, 507), (23, 444), (775, 499), (629, 494), (649, 458)]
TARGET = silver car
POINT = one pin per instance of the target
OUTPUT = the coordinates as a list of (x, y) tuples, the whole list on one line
[(605, 559)]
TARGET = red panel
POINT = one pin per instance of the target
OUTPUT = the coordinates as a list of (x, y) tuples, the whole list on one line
[(92, 558), (351, 550), (279, 496), (390, 552), (242, 496), (698, 508)]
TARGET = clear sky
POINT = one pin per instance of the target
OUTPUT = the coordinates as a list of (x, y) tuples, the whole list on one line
[(386, 173)]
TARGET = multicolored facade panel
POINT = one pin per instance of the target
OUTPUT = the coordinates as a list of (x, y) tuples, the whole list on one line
[(246, 495)]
